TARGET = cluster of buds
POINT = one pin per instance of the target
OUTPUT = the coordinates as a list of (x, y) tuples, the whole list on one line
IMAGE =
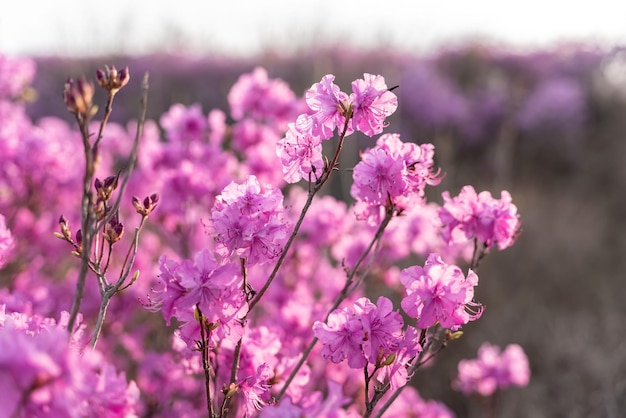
[(66, 235), (78, 97), (104, 192), (147, 206), (104, 189), (112, 80), (114, 230)]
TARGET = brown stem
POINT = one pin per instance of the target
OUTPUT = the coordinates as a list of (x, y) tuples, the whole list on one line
[(86, 221), (104, 305), (204, 347)]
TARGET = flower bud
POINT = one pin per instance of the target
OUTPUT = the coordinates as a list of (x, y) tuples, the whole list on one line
[(104, 189), (111, 80), (78, 96), (115, 230), (78, 241), (114, 233), (65, 228), (147, 206)]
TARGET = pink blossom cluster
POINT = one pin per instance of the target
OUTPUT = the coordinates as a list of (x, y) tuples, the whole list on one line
[(440, 293), (364, 333), (261, 107), (6, 242), (364, 110), (411, 405), (16, 74), (247, 221), (204, 284), (479, 216), (493, 370), (393, 173), (44, 374), (256, 96)]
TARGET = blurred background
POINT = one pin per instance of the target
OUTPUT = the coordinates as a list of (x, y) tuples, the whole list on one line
[(527, 96)]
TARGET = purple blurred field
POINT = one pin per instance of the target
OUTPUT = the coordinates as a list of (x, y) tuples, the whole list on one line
[(549, 126)]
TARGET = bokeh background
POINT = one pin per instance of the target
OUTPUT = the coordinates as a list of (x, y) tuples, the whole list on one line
[(528, 97)]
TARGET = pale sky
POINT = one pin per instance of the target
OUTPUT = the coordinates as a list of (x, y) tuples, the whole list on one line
[(53, 27)]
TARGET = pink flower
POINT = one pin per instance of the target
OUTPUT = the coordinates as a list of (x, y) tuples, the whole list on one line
[(372, 103), (44, 374), (16, 74), (342, 338), (257, 96), (247, 221), (215, 288), (493, 370), (383, 327), (329, 106), (184, 124), (392, 173), (411, 405), (6, 242), (254, 388), (365, 332), (300, 154), (439, 292), (396, 372), (470, 215)]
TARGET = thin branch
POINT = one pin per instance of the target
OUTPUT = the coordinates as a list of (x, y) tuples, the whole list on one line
[(345, 292), (328, 169)]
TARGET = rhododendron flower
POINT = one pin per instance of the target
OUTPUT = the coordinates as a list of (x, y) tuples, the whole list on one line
[(493, 370), (254, 388), (247, 221), (215, 288), (16, 73), (184, 124), (411, 405), (396, 371), (439, 292), (43, 374), (365, 332), (470, 215), (372, 103), (6, 242), (329, 106), (257, 96), (314, 405), (365, 109), (393, 172), (300, 154)]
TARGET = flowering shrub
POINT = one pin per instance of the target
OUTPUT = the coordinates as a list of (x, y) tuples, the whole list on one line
[(267, 285)]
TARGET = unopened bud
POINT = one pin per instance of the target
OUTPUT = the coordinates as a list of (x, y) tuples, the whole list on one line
[(112, 80), (79, 241), (65, 228), (196, 314), (390, 359), (104, 189), (78, 97), (230, 391), (114, 233), (115, 230), (454, 335), (147, 206)]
